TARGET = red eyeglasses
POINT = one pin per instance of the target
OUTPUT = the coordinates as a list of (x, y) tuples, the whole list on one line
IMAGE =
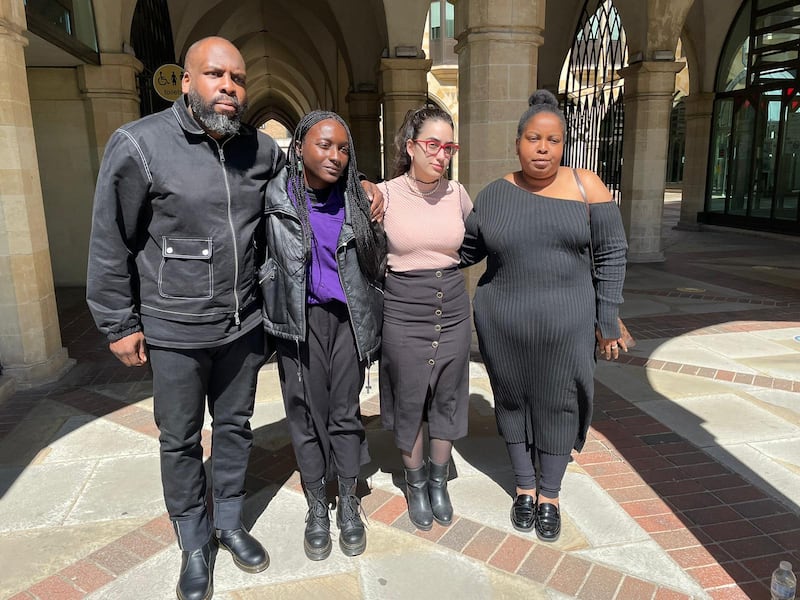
[(432, 147)]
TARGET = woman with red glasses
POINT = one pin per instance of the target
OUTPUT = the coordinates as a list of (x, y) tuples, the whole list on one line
[(424, 371)]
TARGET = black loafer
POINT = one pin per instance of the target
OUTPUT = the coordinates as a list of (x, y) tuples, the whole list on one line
[(196, 581), (548, 522), (248, 553), (523, 512)]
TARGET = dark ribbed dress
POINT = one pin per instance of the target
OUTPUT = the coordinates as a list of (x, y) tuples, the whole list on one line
[(536, 308)]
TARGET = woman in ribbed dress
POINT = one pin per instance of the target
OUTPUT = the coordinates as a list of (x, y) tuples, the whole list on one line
[(424, 371), (539, 312)]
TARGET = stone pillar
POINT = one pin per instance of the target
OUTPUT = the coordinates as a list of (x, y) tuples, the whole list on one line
[(649, 87), (498, 53), (404, 86), (695, 171), (365, 117), (111, 97), (498, 50), (30, 339)]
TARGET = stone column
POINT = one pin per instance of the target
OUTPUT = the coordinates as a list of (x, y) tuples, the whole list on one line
[(365, 117), (498, 50), (498, 53), (111, 97), (695, 171), (404, 85), (30, 339), (649, 87)]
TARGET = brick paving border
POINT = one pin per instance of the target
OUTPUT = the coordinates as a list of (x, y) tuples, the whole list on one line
[(723, 531)]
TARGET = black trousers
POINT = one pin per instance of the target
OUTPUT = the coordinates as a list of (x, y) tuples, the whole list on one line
[(183, 380), (320, 392)]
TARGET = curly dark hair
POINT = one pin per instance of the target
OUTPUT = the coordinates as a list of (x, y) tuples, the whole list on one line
[(409, 130), (370, 247), (540, 101)]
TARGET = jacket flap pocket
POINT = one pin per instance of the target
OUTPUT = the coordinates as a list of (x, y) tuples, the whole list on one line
[(191, 248)]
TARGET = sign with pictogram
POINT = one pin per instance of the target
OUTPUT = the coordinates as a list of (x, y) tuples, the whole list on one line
[(167, 81)]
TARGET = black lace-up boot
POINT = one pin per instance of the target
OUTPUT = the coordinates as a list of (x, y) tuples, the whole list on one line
[(352, 533), (317, 542)]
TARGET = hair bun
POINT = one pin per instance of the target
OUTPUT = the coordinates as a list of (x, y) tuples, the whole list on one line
[(543, 97)]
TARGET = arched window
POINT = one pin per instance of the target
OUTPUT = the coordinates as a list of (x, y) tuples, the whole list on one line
[(592, 93)]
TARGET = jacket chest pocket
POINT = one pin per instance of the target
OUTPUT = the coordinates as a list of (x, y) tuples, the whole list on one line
[(186, 270)]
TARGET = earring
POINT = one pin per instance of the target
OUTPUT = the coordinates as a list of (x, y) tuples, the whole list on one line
[(300, 164)]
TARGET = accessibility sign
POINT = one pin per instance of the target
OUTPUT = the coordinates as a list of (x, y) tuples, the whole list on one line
[(167, 81)]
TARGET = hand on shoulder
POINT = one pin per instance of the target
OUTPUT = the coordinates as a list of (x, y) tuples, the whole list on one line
[(596, 190)]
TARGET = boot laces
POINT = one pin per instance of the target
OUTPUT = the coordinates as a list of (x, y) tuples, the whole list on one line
[(317, 509), (351, 509)]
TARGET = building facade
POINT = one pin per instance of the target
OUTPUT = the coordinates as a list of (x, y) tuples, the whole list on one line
[(74, 70)]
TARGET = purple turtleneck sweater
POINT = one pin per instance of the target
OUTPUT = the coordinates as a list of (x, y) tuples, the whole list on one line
[(326, 215)]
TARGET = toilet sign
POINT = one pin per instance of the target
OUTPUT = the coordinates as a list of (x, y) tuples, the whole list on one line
[(167, 81)]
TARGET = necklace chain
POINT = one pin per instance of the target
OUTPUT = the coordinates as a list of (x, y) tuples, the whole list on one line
[(415, 188)]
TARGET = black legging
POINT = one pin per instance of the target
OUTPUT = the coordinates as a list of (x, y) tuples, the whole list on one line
[(551, 468)]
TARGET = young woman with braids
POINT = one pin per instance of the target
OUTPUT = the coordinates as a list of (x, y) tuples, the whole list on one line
[(322, 301), (424, 373)]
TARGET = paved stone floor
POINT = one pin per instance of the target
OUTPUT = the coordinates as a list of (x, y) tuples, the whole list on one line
[(689, 485)]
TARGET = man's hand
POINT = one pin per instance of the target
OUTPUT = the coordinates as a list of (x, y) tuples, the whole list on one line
[(376, 200), (130, 350)]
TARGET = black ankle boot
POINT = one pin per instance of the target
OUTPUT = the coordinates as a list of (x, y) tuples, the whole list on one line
[(196, 581), (441, 506), (352, 534), (317, 541), (419, 504), (248, 553)]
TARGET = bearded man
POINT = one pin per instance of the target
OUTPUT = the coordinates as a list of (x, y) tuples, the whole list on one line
[(174, 248)]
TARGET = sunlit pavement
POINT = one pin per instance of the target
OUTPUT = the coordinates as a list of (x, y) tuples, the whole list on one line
[(688, 487)]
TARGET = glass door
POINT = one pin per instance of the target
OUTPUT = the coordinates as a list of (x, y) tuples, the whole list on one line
[(787, 191), (766, 153)]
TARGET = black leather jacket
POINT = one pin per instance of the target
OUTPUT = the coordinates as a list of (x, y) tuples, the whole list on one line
[(177, 220), (283, 276)]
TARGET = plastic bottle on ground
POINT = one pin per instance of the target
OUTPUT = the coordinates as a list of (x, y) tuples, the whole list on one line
[(784, 583)]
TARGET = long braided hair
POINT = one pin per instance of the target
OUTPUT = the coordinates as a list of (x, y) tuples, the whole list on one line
[(370, 246), (409, 130)]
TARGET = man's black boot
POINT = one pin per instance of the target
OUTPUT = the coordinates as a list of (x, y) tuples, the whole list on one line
[(317, 541), (248, 553), (352, 534), (196, 581)]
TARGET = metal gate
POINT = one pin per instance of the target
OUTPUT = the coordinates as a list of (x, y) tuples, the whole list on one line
[(151, 36), (593, 93)]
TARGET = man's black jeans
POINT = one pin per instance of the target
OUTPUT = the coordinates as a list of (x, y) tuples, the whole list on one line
[(182, 381)]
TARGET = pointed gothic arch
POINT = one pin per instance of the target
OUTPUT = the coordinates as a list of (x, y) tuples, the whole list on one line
[(592, 93)]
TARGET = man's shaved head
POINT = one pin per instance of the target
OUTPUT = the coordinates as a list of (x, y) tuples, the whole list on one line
[(214, 81)]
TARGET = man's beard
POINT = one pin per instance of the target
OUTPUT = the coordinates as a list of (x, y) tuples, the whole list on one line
[(213, 121)]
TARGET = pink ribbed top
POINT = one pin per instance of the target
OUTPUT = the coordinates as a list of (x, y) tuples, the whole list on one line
[(424, 232)]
